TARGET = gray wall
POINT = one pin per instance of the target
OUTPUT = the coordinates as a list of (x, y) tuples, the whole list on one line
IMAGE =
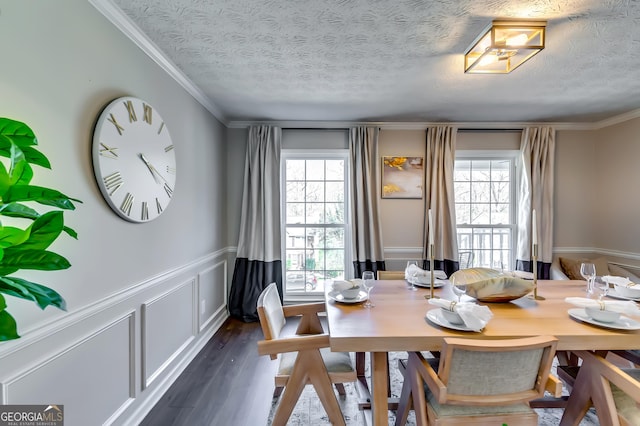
[(142, 298)]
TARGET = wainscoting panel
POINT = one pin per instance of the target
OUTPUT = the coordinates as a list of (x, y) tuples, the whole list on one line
[(212, 293), (167, 327), (93, 378)]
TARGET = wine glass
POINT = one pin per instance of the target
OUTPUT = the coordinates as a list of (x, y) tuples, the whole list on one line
[(604, 287), (368, 281), (411, 279), (458, 288), (588, 272)]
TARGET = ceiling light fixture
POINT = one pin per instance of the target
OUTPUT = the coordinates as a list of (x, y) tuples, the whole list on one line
[(504, 45)]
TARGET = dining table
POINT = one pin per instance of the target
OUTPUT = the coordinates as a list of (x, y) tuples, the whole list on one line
[(398, 322)]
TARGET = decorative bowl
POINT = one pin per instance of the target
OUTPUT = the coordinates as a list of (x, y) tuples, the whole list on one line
[(603, 316), (451, 317), (490, 285), (351, 292)]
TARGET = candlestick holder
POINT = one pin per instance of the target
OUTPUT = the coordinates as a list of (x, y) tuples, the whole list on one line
[(431, 266), (535, 274)]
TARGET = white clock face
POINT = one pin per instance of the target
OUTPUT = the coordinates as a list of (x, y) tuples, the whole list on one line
[(134, 159)]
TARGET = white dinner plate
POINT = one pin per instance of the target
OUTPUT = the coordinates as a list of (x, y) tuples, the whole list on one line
[(623, 323), (437, 283), (613, 293), (437, 318), (338, 297)]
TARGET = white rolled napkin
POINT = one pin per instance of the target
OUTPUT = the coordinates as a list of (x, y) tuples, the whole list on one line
[(473, 315), (340, 285), (626, 307), (611, 279), (421, 275)]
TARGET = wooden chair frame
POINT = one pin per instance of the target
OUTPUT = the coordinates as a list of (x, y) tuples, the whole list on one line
[(391, 275), (419, 371), (309, 366), (593, 386)]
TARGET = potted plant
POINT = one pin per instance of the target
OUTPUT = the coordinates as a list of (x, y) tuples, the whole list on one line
[(25, 247)]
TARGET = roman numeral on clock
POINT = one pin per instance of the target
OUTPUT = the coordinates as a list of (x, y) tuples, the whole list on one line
[(126, 204), (113, 182), (148, 111), (144, 214), (113, 121), (131, 111)]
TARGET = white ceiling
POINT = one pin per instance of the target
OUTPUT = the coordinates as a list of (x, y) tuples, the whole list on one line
[(394, 60)]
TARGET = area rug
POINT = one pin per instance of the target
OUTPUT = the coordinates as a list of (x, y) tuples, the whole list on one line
[(309, 410)]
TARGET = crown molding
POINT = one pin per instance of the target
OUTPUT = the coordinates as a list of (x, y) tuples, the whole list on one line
[(115, 15), (617, 119)]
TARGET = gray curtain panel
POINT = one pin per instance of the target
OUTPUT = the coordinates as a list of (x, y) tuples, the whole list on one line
[(366, 231), (440, 198), (537, 151), (258, 260)]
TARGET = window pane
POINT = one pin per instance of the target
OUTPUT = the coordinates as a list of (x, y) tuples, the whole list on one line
[(295, 213), (479, 214), (295, 191), (315, 169), (500, 192), (462, 171), (480, 192), (462, 192), (315, 213), (315, 191), (463, 214), (295, 169), (481, 171), (500, 214), (335, 191), (335, 238), (500, 171), (334, 213), (335, 170)]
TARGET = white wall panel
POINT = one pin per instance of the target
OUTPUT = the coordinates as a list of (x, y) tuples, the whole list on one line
[(212, 293), (93, 378), (167, 327)]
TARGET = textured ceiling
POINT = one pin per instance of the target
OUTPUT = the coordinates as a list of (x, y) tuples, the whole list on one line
[(395, 60)]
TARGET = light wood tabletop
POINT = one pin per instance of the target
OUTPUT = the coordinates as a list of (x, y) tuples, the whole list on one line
[(398, 323)]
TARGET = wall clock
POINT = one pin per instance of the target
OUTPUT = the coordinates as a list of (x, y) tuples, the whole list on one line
[(134, 159)]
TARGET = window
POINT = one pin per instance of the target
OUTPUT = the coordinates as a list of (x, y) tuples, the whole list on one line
[(485, 209), (315, 219)]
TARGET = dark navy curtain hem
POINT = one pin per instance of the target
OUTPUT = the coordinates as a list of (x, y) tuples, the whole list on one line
[(368, 265), (447, 265), (250, 277), (544, 269)]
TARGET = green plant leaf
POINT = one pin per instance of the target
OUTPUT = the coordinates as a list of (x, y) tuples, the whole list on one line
[(43, 296), (8, 327), (73, 234), (16, 132), (5, 180), (33, 156), (43, 231), (39, 194), (10, 236), (18, 210), (42, 260)]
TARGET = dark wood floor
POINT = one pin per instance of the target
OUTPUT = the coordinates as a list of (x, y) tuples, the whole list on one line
[(227, 383)]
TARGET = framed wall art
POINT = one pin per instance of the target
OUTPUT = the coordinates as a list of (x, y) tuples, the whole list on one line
[(402, 177)]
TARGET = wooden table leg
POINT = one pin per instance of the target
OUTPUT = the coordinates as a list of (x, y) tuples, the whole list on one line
[(379, 386)]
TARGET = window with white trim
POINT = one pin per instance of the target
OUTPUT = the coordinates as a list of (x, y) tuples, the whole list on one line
[(486, 208), (315, 217)]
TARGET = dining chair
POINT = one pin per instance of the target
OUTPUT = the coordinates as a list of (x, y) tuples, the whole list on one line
[(391, 275), (465, 259), (305, 358), (479, 382), (613, 391)]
